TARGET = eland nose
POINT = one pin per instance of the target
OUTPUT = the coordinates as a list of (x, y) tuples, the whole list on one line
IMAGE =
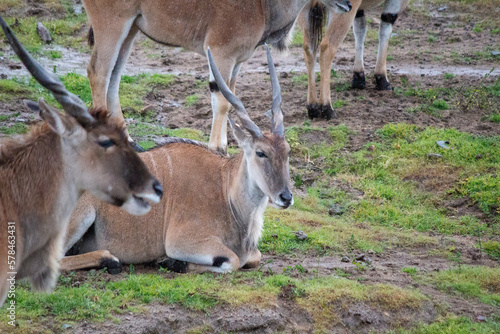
[(286, 196), (158, 188)]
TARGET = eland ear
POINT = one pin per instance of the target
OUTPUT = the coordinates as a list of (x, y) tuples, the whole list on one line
[(238, 132), (57, 122), (32, 105)]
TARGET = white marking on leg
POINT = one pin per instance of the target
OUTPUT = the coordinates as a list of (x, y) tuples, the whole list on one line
[(359, 29)]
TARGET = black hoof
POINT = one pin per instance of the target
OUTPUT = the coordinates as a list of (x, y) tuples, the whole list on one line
[(175, 265), (138, 148), (328, 113), (313, 111), (358, 80), (113, 267), (381, 82)]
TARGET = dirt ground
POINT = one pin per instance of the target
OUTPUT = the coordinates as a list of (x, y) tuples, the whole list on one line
[(415, 60)]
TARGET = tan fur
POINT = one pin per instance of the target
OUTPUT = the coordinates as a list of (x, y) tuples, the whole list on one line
[(42, 175), (232, 29), (214, 208)]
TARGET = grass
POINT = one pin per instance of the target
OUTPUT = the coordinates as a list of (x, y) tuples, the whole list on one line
[(64, 32), (133, 89), (492, 248), (478, 282), (191, 100), (326, 298), (16, 129), (97, 300), (453, 325)]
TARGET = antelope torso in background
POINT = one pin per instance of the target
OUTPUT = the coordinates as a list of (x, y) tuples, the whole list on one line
[(232, 29)]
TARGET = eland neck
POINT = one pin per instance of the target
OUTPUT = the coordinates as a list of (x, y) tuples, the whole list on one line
[(247, 202)]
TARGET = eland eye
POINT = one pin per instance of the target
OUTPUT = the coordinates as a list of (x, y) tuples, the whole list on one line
[(261, 154), (106, 143)]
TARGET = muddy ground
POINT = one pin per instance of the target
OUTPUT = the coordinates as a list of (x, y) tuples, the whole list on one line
[(416, 60)]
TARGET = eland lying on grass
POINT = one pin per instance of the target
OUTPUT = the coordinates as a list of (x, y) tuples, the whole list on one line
[(44, 173), (311, 20), (233, 29), (212, 217)]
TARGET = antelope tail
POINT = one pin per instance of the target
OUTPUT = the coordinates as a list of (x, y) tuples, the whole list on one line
[(90, 36), (317, 19)]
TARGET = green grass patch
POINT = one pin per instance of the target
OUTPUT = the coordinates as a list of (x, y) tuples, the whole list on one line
[(140, 129), (325, 299), (16, 129), (299, 79), (478, 282), (64, 32), (297, 38), (454, 325), (492, 248), (381, 168), (191, 100), (494, 118)]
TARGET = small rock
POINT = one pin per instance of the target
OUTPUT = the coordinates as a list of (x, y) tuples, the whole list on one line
[(441, 9), (284, 75), (360, 257), (370, 251), (495, 53), (479, 156), (393, 34), (345, 259), (335, 210), (43, 33), (66, 326), (434, 155), (301, 235), (371, 148), (480, 318), (274, 236), (443, 144), (368, 260)]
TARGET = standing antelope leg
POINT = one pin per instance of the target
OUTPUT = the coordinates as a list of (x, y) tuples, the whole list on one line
[(390, 13), (220, 106), (109, 42), (336, 32), (311, 21), (359, 28)]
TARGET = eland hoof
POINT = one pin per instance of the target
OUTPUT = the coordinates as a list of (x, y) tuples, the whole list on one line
[(113, 267), (381, 83), (313, 110), (175, 265), (358, 80), (328, 113)]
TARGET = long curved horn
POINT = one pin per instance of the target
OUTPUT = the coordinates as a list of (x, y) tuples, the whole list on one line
[(242, 114), (71, 103), (276, 113)]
